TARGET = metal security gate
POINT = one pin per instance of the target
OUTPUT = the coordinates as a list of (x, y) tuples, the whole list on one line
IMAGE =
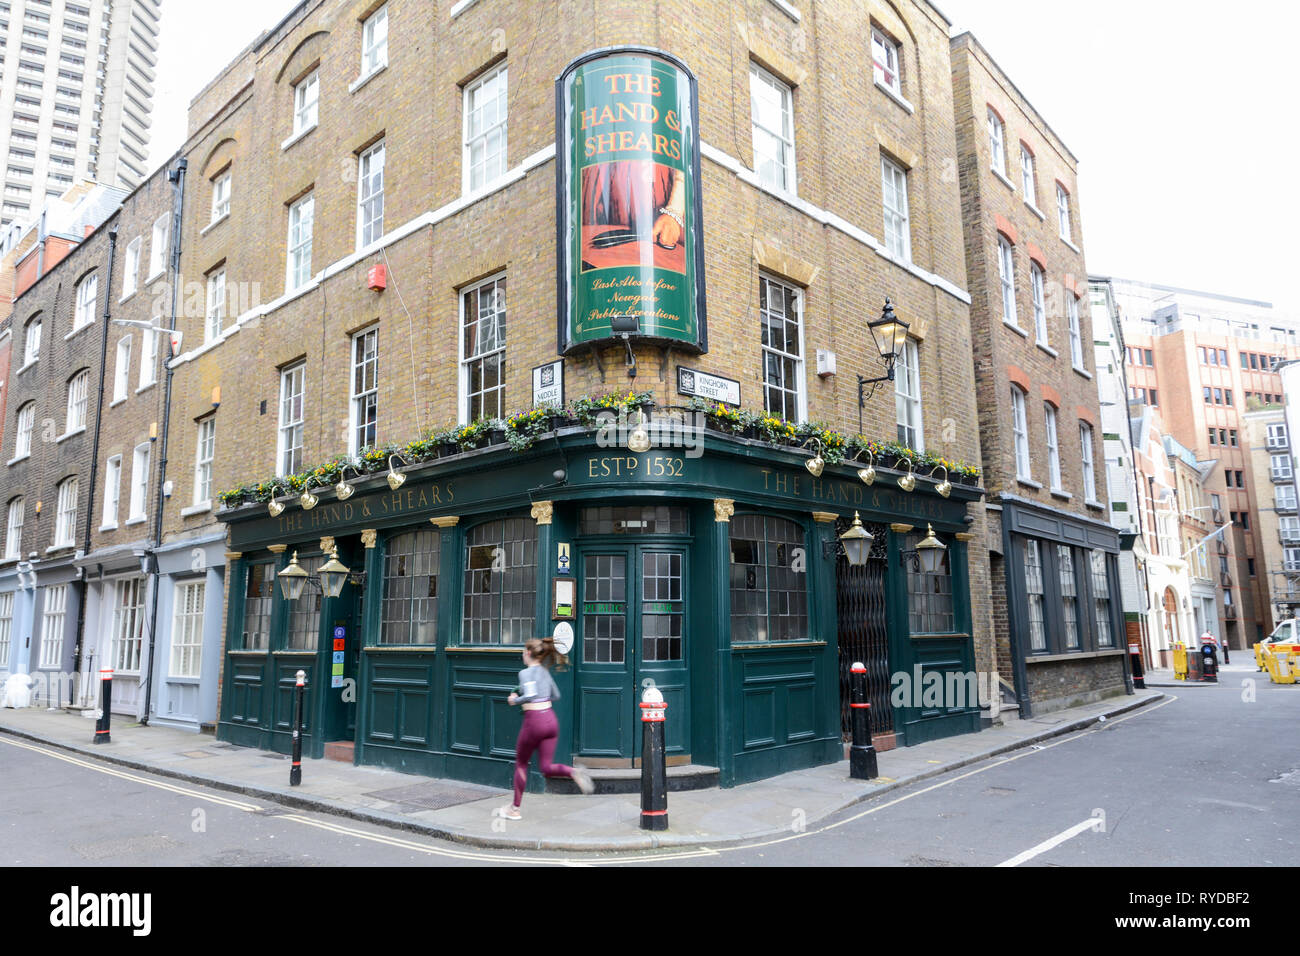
[(860, 606)]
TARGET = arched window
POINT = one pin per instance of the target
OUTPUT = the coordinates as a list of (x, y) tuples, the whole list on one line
[(14, 529), (65, 527), (32, 340), (769, 580), (23, 436), (410, 611), (500, 582), (77, 401), (87, 295)]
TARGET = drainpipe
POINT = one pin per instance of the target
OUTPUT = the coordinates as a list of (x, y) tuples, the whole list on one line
[(94, 454), (177, 179)]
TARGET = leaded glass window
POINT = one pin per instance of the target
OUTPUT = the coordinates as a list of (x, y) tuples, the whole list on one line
[(769, 580), (304, 614), (500, 582), (258, 593), (929, 595), (1034, 592), (1101, 598), (410, 614), (1069, 595)]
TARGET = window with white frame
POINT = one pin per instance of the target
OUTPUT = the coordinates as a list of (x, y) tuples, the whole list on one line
[(1085, 457), (221, 196), (203, 454), (1007, 279), (1277, 435), (288, 456), (87, 293), (112, 491), (370, 195), (6, 627), (1020, 432), (158, 246), (1069, 595), (898, 233), (14, 529), (128, 625), (483, 355), (122, 370), (997, 147), (52, 622), (139, 482), (1076, 337), (301, 215), (1027, 179), (26, 425), (1040, 310), (131, 266), (65, 523), (781, 315), (907, 396), (1289, 528), (1291, 559), (1063, 211), (187, 629), (485, 130), (1053, 447), (1280, 466), (1034, 594), (32, 342), (306, 103), (885, 61), (365, 389), (149, 356), (77, 401), (772, 110), (1284, 498), (216, 305), (1101, 598), (374, 42)]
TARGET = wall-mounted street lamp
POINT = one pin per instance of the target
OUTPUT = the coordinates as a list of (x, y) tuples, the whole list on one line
[(856, 544), (333, 575), (928, 555), (889, 333)]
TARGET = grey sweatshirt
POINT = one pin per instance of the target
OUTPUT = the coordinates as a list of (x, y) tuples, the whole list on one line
[(536, 685)]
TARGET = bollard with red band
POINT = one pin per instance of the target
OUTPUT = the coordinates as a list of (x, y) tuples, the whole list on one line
[(862, 755), (654, 767), (1135, 662), (295, 770), (106, 705)]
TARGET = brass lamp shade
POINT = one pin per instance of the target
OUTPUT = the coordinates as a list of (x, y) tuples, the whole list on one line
[(930, 551), (857, 542), (333, 575), (292, 579)]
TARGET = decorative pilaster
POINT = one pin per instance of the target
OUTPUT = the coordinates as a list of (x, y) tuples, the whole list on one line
[(445, 521), (277, 548), (723, 509), (899, 527), (369, 537), (543, 511), (327, 544), (824, 517)]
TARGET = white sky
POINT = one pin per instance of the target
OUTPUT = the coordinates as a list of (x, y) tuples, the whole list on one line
[(1188, 142)]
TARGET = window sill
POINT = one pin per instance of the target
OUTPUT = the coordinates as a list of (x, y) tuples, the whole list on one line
[(117, 401), (1073, 655), (14, 461), (198, 509), (297, 136), (1062, 494), (1002, 176), (127, 296), (108, 527), (361, 81), (138, 520), (78, 330), (896, 96), (1015, 328), (1048, 349), (1097, 505), (460, 7), (27, 365), (1084, 372), (213, 224), (155, 276), (1029, 483), (145, 387), (759, 645), (1036, 211), (59, 547), (1071, 245), (67, 435), (788, 10)]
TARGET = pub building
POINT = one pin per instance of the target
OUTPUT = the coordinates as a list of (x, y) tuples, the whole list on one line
[(741, 575), (721, 578)]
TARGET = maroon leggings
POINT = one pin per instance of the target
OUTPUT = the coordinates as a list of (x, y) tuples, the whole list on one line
[(539, 733)]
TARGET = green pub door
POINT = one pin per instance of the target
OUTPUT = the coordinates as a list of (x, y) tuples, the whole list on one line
[(633, 631)]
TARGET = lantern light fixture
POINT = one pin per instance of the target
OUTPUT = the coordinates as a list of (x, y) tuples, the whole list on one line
[(889, 335), (928, 555), (293, 579)]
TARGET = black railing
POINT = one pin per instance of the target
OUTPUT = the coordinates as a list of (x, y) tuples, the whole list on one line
[(863, 634)]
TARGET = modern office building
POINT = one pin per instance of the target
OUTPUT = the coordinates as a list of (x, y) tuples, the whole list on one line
[(76, 92)]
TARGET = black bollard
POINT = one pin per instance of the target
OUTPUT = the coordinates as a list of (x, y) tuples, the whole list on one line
[(106, 703), (654, 769), (862, 754), (1135, 662), (295, 771)]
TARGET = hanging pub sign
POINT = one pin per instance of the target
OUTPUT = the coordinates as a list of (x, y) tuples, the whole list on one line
[(627, 176)]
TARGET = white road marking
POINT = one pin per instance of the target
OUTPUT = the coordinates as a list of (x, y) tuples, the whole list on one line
[(1090, 824)]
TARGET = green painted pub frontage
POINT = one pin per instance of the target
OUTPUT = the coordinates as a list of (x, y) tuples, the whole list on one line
[(717, 576)]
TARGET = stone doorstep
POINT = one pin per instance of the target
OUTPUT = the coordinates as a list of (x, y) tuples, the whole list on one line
[(615, 780)]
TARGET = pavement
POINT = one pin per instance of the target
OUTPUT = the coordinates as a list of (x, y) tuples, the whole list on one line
[(462, 812), (1243, 664)]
